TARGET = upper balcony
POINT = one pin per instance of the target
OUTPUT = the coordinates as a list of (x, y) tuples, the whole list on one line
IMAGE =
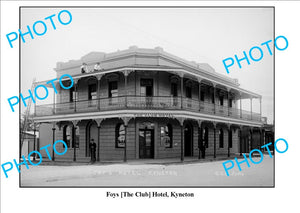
[(138, 79), (150, 103)]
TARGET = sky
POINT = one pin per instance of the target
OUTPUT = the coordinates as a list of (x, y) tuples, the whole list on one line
[(203, 35)]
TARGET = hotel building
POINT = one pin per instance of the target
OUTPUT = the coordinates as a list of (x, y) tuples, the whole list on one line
[(146, 103)]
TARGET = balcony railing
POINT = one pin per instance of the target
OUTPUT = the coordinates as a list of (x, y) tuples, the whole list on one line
[(140, 102)]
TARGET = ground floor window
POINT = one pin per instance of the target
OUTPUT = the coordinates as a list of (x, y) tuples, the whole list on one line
[(69, 134), (77, 136), (166, 135), (120, 135)]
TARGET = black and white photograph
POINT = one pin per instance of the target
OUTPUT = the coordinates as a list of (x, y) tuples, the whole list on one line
[(141, 99), (152, 106)]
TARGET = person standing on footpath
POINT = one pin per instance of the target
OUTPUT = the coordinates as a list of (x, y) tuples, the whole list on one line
[(202, 148), (93, 151)]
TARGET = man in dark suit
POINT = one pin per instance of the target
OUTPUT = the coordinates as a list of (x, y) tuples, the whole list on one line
[(93, 150), (202, 148)]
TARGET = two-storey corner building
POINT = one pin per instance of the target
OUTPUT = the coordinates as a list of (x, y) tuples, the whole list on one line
[(146, 103)]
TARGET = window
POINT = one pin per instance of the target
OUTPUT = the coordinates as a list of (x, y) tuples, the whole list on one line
[(221, 138), (230, 138), (174, 94), (120, 136), (174, 90), (76, 137), (221, 100), (92, 93), (202, 94), (166, 135), (73, 95), (112, 89), (69, 134), (230, 102), (213, 97), (188, 91), (147, 87)]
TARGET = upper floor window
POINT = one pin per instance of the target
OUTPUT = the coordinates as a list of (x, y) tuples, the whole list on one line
[(166, 135), (174, 89), (188, 91), (112, 89), (120, 135), (147, 87), (92, 92), (230, 102), (73, 95), (213, 96), (202, 95), (221, 100), (221, 138)]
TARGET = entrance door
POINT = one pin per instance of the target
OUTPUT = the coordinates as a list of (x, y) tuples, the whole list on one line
[(91, 133), (146, 142), (188, 140)]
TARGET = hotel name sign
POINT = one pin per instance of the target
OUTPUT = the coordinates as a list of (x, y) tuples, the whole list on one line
[(155, 115)]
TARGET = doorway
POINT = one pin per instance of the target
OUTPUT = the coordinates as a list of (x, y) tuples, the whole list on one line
[(146, 143), (188, 140), (147, 91), (91, 133)]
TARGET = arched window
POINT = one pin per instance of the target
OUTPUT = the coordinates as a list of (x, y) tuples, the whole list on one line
[(174, 90), (221, 138), (166, 135), (120, 135), (69, 134), (188, 91), (77, 134)]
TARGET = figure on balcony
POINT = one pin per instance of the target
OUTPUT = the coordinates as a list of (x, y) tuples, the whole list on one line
[(93, 150), (97, 67), (84, 68)]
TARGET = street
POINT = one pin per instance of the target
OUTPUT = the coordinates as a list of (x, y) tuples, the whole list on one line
[(197, 174)]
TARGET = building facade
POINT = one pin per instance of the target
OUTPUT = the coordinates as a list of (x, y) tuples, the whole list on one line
[(29, 142), (146, 103)]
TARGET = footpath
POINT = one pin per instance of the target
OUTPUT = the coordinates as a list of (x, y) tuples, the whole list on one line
[(166, 161)]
